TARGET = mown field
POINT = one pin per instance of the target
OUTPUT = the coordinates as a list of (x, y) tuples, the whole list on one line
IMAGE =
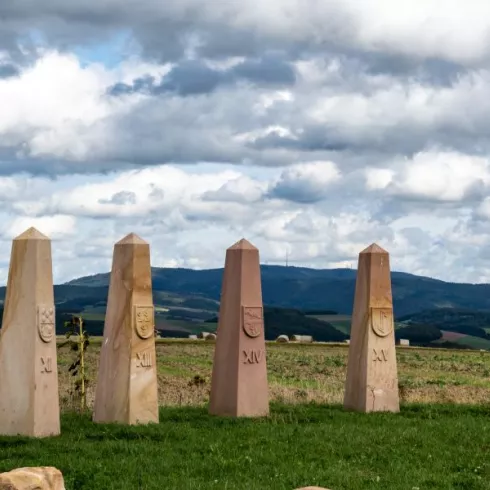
[(426, 446), (300, 373), (439, 440)]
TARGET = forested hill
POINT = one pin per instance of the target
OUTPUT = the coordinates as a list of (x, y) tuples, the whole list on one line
[(297, 287)]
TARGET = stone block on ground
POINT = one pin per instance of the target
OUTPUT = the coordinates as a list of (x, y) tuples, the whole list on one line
[(42, 478)]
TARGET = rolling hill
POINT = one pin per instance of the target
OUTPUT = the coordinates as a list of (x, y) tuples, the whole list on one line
[(298, 300), (308, 289)]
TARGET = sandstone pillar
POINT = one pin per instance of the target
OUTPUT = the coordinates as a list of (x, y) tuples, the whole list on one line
[(127, 381), (372, 381), (239, 380), (29, 403)]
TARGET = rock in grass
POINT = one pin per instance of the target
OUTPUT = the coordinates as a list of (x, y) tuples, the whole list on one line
[(312, 488), (43, 478)]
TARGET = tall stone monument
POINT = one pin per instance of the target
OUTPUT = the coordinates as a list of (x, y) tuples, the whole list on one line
[(127, 381), (372, 381), (239, 380), (29, 403)]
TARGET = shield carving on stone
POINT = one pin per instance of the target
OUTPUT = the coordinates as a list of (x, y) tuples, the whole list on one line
[(45, 322), (382, 321), (253, 321), (144, 321)]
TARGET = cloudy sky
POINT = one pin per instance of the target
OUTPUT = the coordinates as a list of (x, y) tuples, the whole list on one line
[(311, 127)]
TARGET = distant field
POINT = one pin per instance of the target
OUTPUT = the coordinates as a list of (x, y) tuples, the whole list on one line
[(474, 342), (452, 336), (332, 318), (340, 322), (303, 373)]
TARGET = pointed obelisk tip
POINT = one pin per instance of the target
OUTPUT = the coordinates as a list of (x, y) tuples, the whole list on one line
[(243, 245), (374, 248), (31, 234), (132, 239)]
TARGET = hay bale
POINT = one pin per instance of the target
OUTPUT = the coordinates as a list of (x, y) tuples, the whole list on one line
[(210, 336), (302, 338), (203, 335), (282, 339), (193, 337)]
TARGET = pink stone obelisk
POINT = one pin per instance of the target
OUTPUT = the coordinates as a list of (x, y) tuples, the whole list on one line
[(372, 380), (127, 382), (29, 403), (239, 381)]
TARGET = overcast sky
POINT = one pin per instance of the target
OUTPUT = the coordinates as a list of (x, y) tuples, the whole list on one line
[(311, 127)]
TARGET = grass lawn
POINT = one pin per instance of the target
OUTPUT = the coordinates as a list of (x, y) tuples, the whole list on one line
[(423, 447)]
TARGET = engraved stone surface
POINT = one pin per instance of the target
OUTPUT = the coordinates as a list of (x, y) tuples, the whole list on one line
[(28, 369), (45, 322), (372, 380), (144, 320), (252, 356), (382, 321), (239, 385), (46, 364), (126, 389), (253, 321)]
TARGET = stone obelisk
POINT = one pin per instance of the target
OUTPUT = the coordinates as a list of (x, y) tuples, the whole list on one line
[(239, 380), (127, 381), (372, 381), (29, 403)]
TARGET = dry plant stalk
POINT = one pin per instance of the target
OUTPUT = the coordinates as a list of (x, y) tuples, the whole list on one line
[(78, 367)]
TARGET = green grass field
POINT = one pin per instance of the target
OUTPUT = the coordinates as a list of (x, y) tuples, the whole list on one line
[(440, 440), (424, 446)]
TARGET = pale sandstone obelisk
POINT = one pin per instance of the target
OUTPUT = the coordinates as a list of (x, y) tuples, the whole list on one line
[(127, 381), (372, 381), (239, 380), (29, 403)]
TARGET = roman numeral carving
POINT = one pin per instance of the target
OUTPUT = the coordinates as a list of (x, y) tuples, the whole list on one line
[(380, 355), (253, 356), (144, 359), (47, 365)]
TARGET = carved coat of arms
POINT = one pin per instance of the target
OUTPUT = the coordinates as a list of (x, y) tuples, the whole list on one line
[(144, 321), (45, 322), (382, 321), (253, 320)]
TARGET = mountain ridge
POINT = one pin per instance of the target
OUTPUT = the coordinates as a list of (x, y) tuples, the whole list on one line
[(308, 289)]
